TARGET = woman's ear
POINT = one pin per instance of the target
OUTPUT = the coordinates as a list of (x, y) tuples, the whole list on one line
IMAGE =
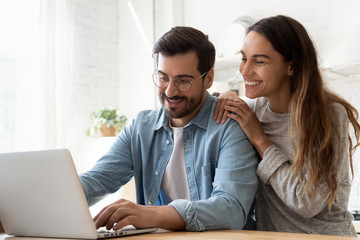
[(290, 69)]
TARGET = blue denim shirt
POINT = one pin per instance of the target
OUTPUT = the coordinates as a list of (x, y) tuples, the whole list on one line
[(220, 165)]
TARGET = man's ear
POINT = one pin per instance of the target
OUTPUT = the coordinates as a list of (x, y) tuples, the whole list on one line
[(290, 68), (209, 79)]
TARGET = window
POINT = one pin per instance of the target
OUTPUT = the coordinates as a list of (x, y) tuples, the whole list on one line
[(18, 64), (34, 73)]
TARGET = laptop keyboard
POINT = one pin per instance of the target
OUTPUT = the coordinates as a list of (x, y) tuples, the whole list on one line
[(109, 233), (103, 232)]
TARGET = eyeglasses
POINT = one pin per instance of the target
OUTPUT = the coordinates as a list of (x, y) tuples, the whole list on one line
[(183, 83)]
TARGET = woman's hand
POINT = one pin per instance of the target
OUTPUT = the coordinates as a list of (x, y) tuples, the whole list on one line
[(241, 112), (123, 212), (220, 114)]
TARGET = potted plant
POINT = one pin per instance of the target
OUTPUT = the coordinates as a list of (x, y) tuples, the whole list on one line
[(107, 122)]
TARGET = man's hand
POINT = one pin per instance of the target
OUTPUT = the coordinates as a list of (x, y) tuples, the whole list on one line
[(124, 212)]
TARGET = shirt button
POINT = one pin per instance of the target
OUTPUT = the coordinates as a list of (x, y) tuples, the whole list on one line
[(156, 173), (150, 202), (167, 141)]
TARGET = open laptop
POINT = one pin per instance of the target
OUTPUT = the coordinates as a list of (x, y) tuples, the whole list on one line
[(41, 196)]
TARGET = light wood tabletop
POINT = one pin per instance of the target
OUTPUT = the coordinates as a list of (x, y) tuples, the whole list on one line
[(233, 234), (224, 234)]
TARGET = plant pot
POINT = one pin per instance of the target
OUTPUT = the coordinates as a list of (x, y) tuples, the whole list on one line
[(107, 132)]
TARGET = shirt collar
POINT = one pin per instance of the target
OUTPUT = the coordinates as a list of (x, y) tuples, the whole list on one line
[(201, 119)]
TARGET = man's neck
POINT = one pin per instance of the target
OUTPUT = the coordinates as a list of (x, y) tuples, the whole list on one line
[(178, 122)]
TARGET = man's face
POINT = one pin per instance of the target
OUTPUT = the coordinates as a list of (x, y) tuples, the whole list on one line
[(182, 106)]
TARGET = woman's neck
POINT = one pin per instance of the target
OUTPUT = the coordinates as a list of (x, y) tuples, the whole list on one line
[(280, 104)]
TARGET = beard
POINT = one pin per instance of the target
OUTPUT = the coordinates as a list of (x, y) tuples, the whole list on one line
[(191, 105)]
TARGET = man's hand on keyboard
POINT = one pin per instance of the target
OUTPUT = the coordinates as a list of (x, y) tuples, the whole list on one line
[(123, 212)]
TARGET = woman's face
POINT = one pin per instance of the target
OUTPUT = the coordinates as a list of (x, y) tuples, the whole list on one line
[(265, 71)]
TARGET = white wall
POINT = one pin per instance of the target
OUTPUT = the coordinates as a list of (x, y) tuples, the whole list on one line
[(136, 64), (96, 48), (112, 63), (326, 20)]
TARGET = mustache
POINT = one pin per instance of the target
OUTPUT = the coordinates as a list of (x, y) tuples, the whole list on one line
[(163, 95)]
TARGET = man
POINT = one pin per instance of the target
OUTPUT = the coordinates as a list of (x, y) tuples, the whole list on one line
[(190, 172)]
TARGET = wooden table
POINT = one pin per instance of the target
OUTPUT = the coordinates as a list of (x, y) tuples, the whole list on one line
[(225, 234), (357, 226)]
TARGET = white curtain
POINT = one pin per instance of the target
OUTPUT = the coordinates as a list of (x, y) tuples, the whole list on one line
[(56, 35), (38, 116)]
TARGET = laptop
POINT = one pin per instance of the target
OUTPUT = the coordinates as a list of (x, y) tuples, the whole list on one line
[(41, 196)]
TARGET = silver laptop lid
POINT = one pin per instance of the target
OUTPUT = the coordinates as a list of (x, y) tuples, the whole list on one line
[(41, 196)]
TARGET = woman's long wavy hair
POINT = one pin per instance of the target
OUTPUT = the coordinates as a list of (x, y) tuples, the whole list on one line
[(310, 109)]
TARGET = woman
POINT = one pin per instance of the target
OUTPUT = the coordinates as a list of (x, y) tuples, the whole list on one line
[(299, 128)]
